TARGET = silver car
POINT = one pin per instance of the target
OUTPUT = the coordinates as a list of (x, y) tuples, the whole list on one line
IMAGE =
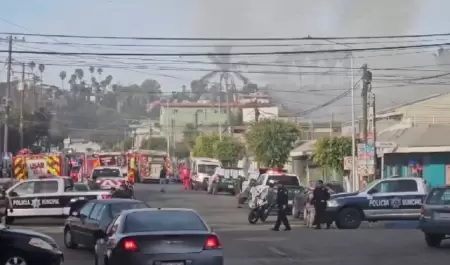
[(158, 236)]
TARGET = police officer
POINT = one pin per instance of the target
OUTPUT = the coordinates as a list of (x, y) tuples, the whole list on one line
[(282, 203), (320, 197)]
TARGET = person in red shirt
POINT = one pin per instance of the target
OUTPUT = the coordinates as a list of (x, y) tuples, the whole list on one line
[(186, 176)]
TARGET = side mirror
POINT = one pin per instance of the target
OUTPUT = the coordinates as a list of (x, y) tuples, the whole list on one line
[(75, 214)]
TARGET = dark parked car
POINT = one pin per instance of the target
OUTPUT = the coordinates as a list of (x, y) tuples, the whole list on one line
[(435, 216), (19, 247), (159, 236), (83, 228)]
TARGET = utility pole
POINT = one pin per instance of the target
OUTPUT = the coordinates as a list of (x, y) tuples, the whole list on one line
[(366, 81), (227, 92), (374, 131), (22, 99), (7, 95), (150, 134)]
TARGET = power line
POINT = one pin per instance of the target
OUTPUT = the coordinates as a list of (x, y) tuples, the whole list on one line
[(227, 39), (229, 54)]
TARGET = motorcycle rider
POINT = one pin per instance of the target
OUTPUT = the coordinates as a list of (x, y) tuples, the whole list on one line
[(120, 193)]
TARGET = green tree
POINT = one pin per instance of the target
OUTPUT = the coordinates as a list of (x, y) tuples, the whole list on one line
[(229, 151), (204, 145), (270, 141), (329, 152)]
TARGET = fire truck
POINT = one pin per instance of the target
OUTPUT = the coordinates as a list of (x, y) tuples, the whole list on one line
[(32, 166), (146, 164), (116, 159), (75, 166)]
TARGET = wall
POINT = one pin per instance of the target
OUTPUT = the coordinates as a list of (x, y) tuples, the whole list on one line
[(183, 116), (434, 165), (248, 114)]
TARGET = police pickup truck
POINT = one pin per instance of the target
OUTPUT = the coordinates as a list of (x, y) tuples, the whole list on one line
[(48, 197), (396, 198), (289, 181)]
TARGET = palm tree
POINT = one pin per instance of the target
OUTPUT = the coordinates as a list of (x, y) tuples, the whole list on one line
[(63, 76), (91, 70), (79, 73), (32, 65), (41, 68), (100, 72)]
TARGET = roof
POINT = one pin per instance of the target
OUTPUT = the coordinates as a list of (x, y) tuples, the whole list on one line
[(306, 148), (423, 139), (159, 209)]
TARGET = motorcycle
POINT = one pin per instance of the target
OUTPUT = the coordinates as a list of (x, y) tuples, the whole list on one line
[(260, 212)]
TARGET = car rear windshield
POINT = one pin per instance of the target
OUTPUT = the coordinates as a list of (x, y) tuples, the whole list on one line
[(207, 169), (439, 196), (152, 221), (106, 172), (287, 180), (117, 208)]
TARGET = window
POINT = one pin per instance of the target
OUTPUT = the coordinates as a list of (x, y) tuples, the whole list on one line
[(48, 186), (117, 208), (439, 196), (163, 221), (260, 180), (287, 180), (399, 185), (106, 172), (86, 210), (24, 188), (97, 212), (207, 169), (112, 228)]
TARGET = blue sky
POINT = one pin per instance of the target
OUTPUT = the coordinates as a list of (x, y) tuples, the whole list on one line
[(210, 18)]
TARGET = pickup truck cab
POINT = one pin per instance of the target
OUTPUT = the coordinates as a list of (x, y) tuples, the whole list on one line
[(48, 197), (291, 183), (396, 198)]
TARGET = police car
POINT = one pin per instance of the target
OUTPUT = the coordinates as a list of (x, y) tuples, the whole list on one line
[(384, 199), (47, 197)]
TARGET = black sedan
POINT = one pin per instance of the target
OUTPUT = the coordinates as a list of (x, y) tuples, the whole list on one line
[(158, 236), (23, 247), (85, 227)]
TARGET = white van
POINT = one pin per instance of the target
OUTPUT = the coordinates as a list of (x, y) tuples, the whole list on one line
[(201, 170)]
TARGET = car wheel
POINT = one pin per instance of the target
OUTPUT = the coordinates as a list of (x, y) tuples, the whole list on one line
[(433, 240), (9, 220), (14, 259), (253, 216), (349, 218), (68, 239)]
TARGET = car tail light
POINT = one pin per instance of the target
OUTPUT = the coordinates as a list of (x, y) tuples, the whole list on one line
[(130, 245), (106, 196), (212, 243)]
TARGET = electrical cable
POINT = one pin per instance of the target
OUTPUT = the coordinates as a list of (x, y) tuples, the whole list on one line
[(227, 39), (227, 54)]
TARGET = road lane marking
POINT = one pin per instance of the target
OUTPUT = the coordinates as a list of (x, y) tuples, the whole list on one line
[(277, 251)]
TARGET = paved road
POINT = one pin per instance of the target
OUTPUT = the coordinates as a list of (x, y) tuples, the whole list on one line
[(254, 244)]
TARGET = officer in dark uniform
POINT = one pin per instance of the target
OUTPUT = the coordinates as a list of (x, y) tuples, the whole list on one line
[(320, 197), (282, 203)]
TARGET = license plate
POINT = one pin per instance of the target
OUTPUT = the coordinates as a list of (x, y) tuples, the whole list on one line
[(230, 186), (442, 216), (172, 263), (290, 202)]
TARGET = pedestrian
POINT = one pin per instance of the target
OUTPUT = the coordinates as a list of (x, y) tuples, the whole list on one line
[(320, 197), (282, 203), (186, 176), (162, 178)]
